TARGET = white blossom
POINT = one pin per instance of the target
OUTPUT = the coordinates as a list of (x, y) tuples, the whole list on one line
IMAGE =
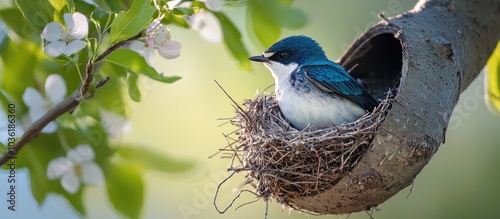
[(213, 5), (158, 38), (77, 166), (204, 22), (67, 40), (207, 25), (114, 124), (38, 105)]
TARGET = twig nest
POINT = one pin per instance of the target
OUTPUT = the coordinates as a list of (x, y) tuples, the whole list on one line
[(287, 164)]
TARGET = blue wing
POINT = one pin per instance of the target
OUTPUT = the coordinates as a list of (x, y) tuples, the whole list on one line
[(332, 78)]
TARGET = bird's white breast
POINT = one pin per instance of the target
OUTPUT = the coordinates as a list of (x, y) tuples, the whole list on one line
[(314, 109), (310, 107)]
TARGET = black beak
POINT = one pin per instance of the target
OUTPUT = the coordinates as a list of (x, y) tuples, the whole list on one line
[(260, 58)]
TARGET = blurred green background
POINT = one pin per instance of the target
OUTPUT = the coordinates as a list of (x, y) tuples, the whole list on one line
[(182, 120)]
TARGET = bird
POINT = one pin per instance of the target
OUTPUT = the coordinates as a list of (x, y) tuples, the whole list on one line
[(311, 90)]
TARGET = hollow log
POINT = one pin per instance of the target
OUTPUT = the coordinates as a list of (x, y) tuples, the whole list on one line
[(428, 55)]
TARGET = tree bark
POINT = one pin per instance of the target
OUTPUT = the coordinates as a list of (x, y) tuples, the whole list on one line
[(429, 55)]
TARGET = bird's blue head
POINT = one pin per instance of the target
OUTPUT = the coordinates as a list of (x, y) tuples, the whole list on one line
[(293, 49), (286, 55)]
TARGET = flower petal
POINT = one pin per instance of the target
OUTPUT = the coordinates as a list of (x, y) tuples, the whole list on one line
[(53, 31), (33, 99), (57, 167), (50, 128), (70, 182), (155, 24), (76, 24), (55, 48), (74, 46), (55, 88), (69, 22), (207, 26), (213, 5), (149, 54), (35, 114), (114, 124), (92, 174), (3, 128), (158, 36), (170, 50), (135, 45), (81, 153), (144, 50), (173, 3), (151, 32), (150, 41)]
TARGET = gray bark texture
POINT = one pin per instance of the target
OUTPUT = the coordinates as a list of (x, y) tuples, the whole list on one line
[(429, 55)]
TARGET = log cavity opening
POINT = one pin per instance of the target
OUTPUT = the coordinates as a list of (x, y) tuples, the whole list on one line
[(376, 63)]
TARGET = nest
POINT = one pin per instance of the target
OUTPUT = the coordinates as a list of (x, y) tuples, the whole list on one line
[(283, 163)]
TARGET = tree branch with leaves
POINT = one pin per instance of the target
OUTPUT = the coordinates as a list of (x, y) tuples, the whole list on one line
[(92, 47)]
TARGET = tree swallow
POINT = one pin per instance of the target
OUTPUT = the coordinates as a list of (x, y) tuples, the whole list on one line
[(311, 90)]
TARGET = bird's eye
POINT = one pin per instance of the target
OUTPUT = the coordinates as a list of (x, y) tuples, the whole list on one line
[(283, 55)]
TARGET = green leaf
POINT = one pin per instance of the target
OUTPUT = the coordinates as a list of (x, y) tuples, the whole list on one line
[(111, 97), (76, 200), (117, 6), (14, 57), (3, 148), (4, 100), (94, 43), (492, 81), (81, 7), (58, 5), (114, 71), (154, 160), (266, 31), (136, 63), (125, 188), (127, 24), (232, 40), (112, 6), (266, 18), (180, 11), (177, 20), (38, 13), (133, 90), (281, 13), (13, 18), (181, 22)]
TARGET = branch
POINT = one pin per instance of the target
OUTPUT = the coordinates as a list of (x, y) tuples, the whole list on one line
[(89, 69), (67, 105)]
